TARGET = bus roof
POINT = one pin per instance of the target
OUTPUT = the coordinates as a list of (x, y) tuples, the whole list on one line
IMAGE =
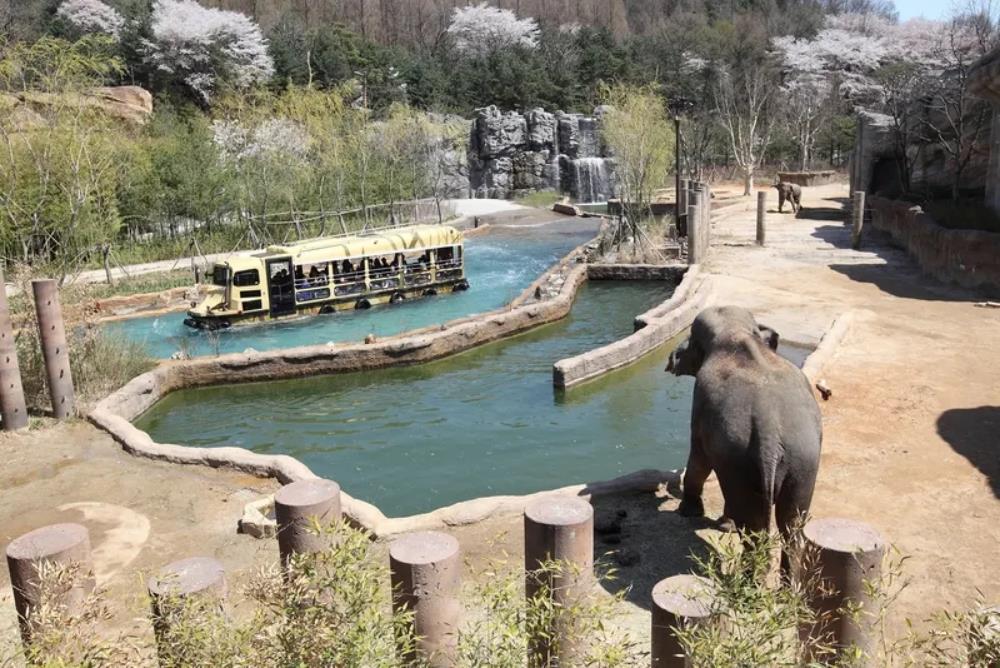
[(385, 241)]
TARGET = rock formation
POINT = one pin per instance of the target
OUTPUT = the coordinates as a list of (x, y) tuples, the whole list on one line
[(512, 153)]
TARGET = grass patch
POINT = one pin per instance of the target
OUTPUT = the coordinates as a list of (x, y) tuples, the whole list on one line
[(138, 285), (100, 363)]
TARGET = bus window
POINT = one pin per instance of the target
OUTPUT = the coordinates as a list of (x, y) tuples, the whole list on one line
[(220, 274), (350, 276), (249, 277), (449, 262), (311, 275), (416, 267)]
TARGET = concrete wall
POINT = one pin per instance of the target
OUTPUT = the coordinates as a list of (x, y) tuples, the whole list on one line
[(659, 325), (970, 258)]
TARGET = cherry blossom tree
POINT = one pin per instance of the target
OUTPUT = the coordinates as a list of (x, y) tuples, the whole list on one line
[(482, 29), (91, 16), (207, 48)]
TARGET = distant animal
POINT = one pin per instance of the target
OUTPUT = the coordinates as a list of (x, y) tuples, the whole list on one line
[(754, 421), (791, 192)]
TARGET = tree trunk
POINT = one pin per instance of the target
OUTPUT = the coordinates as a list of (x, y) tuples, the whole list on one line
[(748, 181)]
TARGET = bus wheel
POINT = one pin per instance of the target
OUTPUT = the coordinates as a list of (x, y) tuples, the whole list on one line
[(362, 304), (461, 286), (430, 292), (397, 297)]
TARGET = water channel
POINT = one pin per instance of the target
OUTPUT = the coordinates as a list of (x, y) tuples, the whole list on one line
[(481, 423), (499, 265)]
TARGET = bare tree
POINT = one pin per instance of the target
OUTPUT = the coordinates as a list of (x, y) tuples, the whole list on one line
[(742, 101)]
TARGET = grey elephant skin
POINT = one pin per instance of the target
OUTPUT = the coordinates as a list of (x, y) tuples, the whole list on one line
[(754, 421), (789, 192)]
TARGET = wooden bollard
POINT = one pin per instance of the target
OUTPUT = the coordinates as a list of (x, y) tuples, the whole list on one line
[(857, 218), (678, 601), (13, 411), (55, 352), (558, 530), (426, 580), (849, 558), (298, 507), (28, 556), (198, 581), (761, 216)]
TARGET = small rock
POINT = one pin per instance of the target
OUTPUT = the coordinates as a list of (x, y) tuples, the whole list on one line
[(249, 351), (180, 355), (370, 339)]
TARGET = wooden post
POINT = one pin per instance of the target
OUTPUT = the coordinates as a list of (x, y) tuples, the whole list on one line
[(558, 530), (858, 218), (197, 581), (59, 545), (849, 568), (300, 505), (426, 574), (761, 214), (52, 335), (677, 601), (13, 410)]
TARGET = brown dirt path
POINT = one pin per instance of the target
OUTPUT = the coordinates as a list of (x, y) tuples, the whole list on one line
[(912, 433)]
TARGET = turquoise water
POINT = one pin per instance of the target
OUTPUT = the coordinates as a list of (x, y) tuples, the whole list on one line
[(481, 423), (499, 265)]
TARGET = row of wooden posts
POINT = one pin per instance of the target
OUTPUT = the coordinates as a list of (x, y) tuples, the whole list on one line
[(426, 574), (857, 218), (55, 352), (694, 208)]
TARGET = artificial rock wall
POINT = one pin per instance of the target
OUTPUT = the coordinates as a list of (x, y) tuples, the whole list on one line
[(511, 153)]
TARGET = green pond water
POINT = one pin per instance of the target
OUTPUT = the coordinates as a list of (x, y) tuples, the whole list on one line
[(481, 423), (499, 265)]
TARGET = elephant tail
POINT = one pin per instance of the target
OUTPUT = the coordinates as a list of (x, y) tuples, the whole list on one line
[(768, 450)]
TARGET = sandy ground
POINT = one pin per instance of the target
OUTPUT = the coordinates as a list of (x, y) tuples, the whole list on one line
[(911, 439), (141, 514)]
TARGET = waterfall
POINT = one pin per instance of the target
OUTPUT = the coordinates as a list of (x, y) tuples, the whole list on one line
[(591, 180), (589, 137)]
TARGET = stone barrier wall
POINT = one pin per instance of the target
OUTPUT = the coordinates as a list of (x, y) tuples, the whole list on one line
[(660, 324), (970, 258)]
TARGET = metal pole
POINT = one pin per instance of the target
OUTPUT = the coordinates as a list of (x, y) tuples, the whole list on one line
[(59, 545), (677, 164), (694, 226), (858, 218), (12, 407), (426, 574), (849, 568), (52, 335), (761, 214), (678, 601), (298, 507), (559, 532)]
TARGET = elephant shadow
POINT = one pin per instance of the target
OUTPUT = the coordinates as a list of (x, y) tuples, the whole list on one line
[(642, 538)]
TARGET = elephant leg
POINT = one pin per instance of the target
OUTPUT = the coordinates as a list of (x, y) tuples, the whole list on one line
[(695, 475), (781, 201), (791, 509)]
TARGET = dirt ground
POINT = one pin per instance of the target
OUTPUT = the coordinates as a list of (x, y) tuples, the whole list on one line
[(912, 435)]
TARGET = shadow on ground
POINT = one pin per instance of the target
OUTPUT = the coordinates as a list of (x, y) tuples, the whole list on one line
[(897, 274), (644, 539), (821, 213), (972, 433)]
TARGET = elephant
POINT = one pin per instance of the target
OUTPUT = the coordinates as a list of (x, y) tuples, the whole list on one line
[(790, 192), (754, 421)]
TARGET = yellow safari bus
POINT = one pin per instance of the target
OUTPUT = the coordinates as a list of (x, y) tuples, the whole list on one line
[(333, 274)]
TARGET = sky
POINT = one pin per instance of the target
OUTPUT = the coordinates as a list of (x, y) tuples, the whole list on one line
[(929, 9)]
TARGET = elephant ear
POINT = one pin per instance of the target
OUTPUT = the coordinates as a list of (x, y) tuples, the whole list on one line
[(770, 337)]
